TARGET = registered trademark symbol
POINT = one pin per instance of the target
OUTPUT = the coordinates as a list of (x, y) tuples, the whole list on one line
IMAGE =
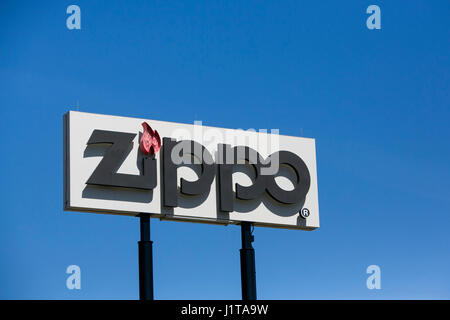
[(304, 213)]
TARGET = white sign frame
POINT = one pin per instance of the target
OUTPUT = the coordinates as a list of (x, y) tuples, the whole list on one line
[(80, 161)]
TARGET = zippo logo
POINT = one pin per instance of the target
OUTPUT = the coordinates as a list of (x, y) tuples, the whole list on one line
[(174, 155)]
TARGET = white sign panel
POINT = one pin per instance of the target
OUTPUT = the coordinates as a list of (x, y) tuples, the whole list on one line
[(188, 172)]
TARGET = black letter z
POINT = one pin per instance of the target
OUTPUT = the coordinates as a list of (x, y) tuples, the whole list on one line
[(106, 172)]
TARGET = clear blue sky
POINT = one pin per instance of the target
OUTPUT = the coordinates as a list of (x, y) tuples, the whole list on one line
[(377, 102)]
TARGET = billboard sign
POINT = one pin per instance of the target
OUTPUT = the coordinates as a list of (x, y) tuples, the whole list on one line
[(185, 172)]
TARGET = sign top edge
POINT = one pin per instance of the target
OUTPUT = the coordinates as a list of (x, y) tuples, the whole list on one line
[(169, 122)]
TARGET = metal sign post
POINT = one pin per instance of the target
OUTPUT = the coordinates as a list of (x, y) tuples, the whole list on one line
[(145, 260), (248, 270)]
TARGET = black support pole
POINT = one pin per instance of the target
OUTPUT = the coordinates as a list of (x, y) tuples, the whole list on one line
[(248, 271), (145, 260)]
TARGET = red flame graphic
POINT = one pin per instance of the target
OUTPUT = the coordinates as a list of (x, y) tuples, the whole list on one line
[(150, 141)]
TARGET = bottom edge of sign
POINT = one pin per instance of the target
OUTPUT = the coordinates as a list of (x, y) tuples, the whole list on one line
[(179, 218)]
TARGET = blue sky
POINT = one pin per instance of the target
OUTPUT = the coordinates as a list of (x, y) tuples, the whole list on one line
[(376, 101)]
